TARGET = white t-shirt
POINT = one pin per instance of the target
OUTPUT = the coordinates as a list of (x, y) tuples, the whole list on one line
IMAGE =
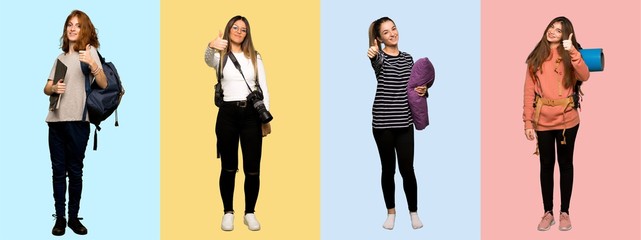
[(234, 87)]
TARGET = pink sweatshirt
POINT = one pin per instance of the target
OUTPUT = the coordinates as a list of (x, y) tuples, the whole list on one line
[(551, 87)]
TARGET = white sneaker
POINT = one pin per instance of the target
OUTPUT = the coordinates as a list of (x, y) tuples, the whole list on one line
[(251, 222), (389, 222), (228, 222), (416, 222)]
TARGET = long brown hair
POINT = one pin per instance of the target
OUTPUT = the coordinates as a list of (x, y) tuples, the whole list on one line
[(542, 52), (87, 35), (247, 45), (374, 31)]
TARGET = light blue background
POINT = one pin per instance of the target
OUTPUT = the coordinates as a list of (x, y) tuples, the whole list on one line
[(447, 156), (121, 180)]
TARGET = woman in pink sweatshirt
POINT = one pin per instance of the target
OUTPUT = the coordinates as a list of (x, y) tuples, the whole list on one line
[(553, 69)]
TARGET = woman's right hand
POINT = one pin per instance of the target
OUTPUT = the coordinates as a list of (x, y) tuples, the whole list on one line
[(59, 88), (373, 50), (530, 134), (219, 43)]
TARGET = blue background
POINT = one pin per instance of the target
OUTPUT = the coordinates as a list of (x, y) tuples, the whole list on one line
[(121, 180), (447, 155)]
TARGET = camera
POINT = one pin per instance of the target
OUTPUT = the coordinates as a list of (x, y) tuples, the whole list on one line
[(255, 98)]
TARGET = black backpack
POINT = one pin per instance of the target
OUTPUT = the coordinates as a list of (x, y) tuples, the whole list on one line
[(101, 103)]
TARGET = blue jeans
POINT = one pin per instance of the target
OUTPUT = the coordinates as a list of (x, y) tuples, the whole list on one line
[(67, 144)]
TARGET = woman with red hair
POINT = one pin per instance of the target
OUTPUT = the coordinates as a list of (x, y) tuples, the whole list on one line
[(67, 119)]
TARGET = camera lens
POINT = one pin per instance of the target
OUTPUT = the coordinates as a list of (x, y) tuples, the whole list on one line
[(263, 114), (256, 99)]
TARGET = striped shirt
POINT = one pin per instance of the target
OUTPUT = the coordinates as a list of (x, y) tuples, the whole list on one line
[(391, 108)]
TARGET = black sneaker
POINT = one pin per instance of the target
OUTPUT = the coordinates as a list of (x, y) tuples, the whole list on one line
[(59, 227), (76, 226)]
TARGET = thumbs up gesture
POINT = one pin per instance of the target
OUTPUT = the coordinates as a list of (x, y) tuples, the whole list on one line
[(373, 50), (567, 44), (218, 43), (85, 55)]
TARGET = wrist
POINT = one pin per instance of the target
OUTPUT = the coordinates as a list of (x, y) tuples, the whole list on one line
[(53, 90), (95, 71)]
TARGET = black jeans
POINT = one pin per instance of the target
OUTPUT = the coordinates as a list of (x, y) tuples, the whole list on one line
[(235, 124), (547, 141), (67, 144), (391, 143)]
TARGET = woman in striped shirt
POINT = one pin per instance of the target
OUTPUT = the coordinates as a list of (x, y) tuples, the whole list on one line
[(392, 119)]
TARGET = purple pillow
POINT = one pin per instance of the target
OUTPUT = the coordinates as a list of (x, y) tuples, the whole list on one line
[(422, 74)]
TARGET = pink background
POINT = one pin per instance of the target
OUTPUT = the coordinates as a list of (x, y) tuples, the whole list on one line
[(606, 198)]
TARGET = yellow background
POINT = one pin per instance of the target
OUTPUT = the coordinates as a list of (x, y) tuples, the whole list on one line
[(287, 34)]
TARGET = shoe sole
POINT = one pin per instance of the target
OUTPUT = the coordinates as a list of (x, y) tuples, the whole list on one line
[(548, 228), (565, 229), (79, 233), (248, 227)]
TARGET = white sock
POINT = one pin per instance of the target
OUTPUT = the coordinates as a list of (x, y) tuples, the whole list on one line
[(389, 222), (416, 222)]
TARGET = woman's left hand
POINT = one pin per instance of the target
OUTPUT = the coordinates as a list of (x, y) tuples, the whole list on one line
[(267, 129), (421, 90), (85, 56)]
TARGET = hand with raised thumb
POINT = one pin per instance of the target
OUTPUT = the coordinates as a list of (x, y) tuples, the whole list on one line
[(218, 43), (85, 55), (373, 50), (567, 44)]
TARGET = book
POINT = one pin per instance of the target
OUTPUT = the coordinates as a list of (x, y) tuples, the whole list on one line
[(59, 74)]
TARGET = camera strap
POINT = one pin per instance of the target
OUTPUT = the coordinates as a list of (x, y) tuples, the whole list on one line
[(237, 65)]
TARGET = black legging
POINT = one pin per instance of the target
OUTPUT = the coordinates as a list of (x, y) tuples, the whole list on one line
[(391, 143), (235, 124), (547, 141)]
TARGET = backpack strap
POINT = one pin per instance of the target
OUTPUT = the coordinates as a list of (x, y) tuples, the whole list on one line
[(87, 72)]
